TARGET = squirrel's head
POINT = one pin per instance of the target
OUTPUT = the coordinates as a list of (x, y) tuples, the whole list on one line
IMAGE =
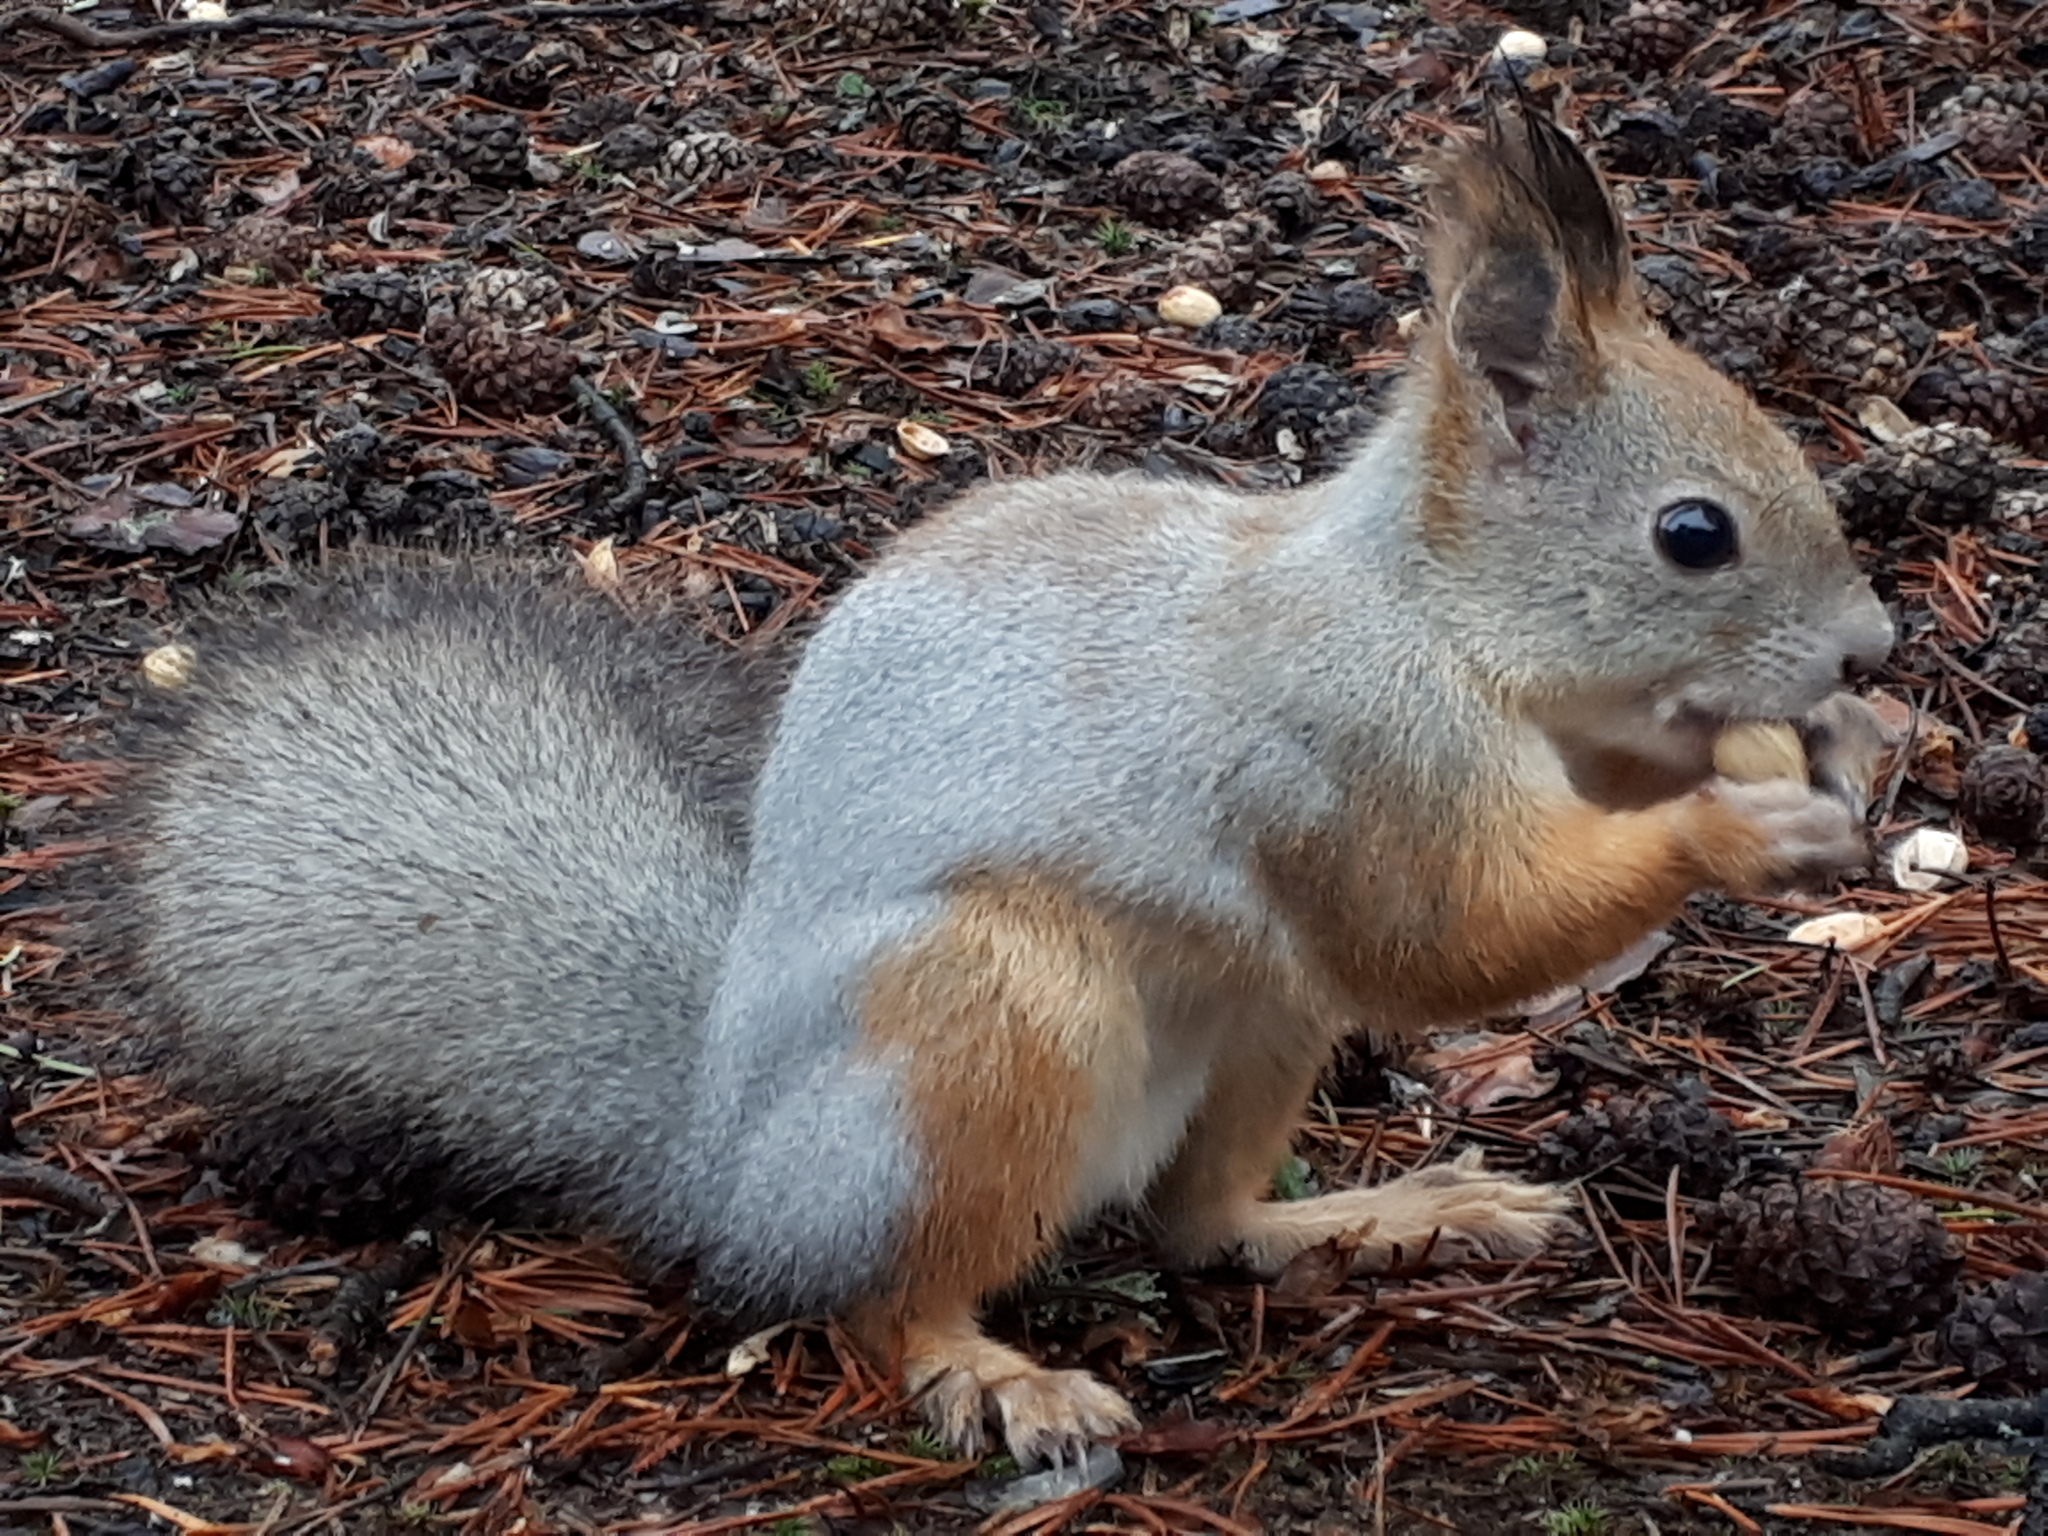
[(1637, 554)]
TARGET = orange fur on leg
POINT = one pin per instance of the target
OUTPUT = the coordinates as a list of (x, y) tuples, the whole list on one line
[(1019, 1026)]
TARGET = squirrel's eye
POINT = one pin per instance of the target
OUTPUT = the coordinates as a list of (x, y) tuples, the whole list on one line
[(1697, 535)]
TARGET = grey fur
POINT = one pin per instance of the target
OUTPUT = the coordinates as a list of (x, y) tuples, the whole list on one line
[(437, 866)]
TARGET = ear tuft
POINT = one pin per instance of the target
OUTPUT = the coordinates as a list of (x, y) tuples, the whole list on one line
[(1529, 253)]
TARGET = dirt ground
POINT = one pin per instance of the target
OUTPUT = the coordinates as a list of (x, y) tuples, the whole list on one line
[(773, 283)]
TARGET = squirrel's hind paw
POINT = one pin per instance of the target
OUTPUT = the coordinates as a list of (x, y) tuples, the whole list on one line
[(1048, 1418), (1449, 1213)]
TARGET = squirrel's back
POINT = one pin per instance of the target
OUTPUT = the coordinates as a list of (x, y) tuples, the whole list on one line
[(428, 875)]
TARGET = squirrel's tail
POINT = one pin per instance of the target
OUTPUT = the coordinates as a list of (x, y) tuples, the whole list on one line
[(424, 881)]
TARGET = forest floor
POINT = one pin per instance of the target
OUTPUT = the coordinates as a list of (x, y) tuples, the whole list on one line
[(822, 267)]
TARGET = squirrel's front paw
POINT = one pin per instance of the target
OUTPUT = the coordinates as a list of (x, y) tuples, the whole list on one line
[(1808, 836)]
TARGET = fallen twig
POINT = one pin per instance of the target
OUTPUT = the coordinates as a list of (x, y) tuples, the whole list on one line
[(632, 491)]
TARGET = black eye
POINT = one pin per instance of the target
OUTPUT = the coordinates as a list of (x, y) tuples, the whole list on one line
[(1697, 535)]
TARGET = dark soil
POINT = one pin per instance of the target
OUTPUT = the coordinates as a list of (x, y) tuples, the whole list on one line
[(776, 245)]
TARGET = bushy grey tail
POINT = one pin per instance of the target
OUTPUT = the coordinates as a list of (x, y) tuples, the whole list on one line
[(424, 880)]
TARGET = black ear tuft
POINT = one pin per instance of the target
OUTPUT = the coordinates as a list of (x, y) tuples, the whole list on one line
[(1562, 180)]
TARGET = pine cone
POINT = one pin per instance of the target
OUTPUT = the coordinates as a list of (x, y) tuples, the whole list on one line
[(1996, 142), (494, 370), (1225, 257), (2000, 1334), (35, 206), (1837, 1253), (1290, 200), (930, 125), (1674, 290), (1302, 397), (173, 184), (268, 243), (2028, 245), (1242, 334), (1123, 402), (1775, 254), (1651, 1132), (703, 158), (2018, 662), (522, 298), (1653, 35), (1944, 475), (293, 510), (1844, 333), (1165, 188), (491, 147), (1817, 125), (529, 81), (2011, 408), (856, 25), (1018, 365), (2003, 793), (296, 1171), (630, 146), (1352, 305), (1745, 338), (385, 300)]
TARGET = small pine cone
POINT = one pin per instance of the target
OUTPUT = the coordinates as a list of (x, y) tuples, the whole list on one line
[(704, 158), (1653, 35), (1675, 291), (856, 25), (1775, 255), (1996, 142), (629, 146), (931, 125), (1165, 188), (293, 510), (174, 184), (1236, 333), (1745, 338), (1837, 1253), (2013, 409), (491, 147), (35, 207), (2000, 1334), (1225, 257), (521, 298), (1123, 402), (1018, 365), (271, 244), (1817, 125), (1651, 1132), (1844, 333), (2003, 794), (493, 369), (294, 1170), (1944, 475), (1290, 200), (2018, 663), (385, 300), (1300, 397)]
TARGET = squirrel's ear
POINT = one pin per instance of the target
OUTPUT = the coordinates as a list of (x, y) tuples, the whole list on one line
[(1529, 260)]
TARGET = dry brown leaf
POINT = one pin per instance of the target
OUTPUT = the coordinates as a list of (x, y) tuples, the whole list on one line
[(1315, 1272), (1485, 1070)]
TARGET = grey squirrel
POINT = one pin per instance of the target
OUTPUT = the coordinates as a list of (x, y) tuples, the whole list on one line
[(1091, 820)]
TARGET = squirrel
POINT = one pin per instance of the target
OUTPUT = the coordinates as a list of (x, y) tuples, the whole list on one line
[(1090, 821)]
